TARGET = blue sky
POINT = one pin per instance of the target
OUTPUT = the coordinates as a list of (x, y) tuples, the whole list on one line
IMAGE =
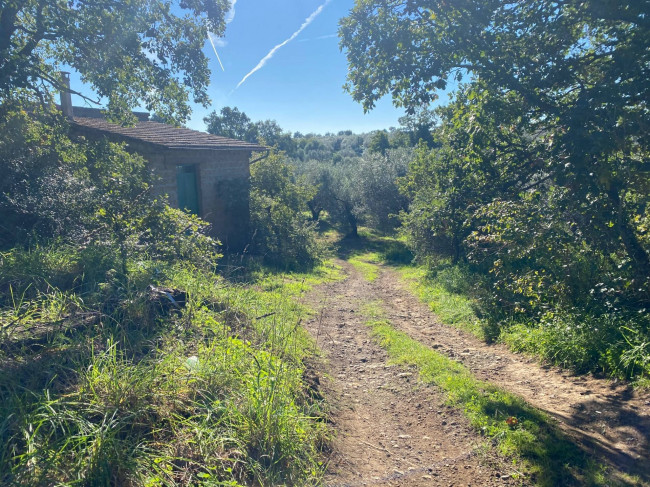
[(301, 85)]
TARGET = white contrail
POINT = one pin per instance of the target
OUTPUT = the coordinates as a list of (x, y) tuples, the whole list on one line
[(215, 52), (230, 16), (265, 59)]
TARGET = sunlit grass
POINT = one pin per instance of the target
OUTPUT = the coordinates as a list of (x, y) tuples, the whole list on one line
[(365, 266), (453, 309), (520, 432), (211, 393)]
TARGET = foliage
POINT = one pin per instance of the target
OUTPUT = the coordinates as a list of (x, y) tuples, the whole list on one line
[(88, 193), (230, 122), (539, 179), (159, 42), (133, 395), (361, 189), (379, 142), (377, 176), (282, 230), (38, 191), (561, 64), (419, 127)]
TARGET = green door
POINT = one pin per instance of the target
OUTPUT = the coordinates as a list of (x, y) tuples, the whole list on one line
[(188, 195)]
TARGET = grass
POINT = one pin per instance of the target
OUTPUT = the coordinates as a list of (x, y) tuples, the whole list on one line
[(363, 264), (445, 291), (574, 339), (369, 249), (453, 308), (518, 430), (119, 389), (577, 339)]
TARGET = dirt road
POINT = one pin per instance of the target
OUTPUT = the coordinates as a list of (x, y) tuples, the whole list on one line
[(394, 431)]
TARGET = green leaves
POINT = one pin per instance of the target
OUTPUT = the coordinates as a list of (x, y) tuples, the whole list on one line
[(130, 52), (282, 231)]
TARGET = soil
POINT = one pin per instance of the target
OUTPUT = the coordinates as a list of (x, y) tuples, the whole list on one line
[(393, 431), (390, 430)]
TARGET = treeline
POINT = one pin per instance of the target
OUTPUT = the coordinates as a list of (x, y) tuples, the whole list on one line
[(352, 179)]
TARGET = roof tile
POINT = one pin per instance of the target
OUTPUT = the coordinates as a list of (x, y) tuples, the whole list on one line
[(167, 135)]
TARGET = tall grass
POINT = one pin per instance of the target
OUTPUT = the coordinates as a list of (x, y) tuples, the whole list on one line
[(123, 390)]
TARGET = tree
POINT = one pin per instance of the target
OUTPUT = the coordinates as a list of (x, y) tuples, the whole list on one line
[(283, 233), (419, 126), (337, 192), (377, 187), (237, 125), (577, 70), (231, 123), (129, 52), (379, 142), (271, 134)]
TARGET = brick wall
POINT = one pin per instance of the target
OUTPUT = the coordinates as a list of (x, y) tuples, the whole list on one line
[(222, 181)]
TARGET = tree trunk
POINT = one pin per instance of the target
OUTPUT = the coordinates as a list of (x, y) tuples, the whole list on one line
[(455, 244), (315, 211), (352, 221)]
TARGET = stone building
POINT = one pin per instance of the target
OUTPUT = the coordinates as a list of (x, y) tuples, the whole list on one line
[(203, 173)]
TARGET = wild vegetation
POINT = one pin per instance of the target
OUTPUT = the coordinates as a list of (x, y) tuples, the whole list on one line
[(538, 189), (133, 353), (126, 356)]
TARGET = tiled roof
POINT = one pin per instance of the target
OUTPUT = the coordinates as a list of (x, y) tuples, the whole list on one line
[(167, 135)]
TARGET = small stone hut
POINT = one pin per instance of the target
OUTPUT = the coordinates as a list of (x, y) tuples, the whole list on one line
[(203, 173)]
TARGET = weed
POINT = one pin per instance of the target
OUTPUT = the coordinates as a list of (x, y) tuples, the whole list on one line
[(209, 393)]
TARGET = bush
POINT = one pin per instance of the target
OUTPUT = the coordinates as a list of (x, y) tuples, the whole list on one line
[(283, 233), (583, 342)]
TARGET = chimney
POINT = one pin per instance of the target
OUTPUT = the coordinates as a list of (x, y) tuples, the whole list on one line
[(66, 98)]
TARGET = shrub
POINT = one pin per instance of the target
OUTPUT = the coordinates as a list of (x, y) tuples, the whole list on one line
[(282, 230)]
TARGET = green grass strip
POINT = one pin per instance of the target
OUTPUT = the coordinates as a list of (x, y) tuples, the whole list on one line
[(519, 431), (452, 308), (368, 269)]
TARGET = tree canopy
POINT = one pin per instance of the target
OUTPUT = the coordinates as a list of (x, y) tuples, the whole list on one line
[(231, 122), (570, 79), (129, 52)]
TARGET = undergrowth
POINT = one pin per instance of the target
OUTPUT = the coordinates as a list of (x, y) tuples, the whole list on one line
[(519, 431), (582, 340), (574, 339), (106, 381)]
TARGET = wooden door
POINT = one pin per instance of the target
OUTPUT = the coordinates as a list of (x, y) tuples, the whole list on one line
[(188, 194)]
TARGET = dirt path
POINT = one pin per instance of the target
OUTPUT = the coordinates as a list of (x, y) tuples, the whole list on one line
[(392, 432)]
